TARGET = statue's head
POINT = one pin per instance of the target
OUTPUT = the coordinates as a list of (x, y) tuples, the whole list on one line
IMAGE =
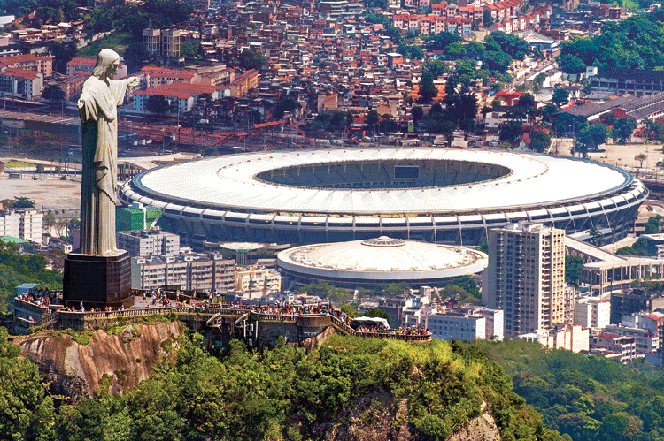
[(107, 63)]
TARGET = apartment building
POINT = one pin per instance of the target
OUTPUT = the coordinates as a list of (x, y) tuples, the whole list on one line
[(164, 44), (614, 346), (24, 224), (574, 338), (592, 312), (21, 83), (257, 280), (191, 272), (526, 277), (463, 322), (149, 243), (33, 63)]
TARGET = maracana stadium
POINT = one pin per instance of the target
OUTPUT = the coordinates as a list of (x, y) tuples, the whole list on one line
[(436, 195)]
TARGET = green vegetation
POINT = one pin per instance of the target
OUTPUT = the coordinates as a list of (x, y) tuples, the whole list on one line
[(323, 289), (573, 269), (82, 338), (635, 43), (119, 41), (623, 128), (19, 164), (376, 312), (642, 247), (16, 269), (654, 225), (496, 54), (587, 398), (285, 393)]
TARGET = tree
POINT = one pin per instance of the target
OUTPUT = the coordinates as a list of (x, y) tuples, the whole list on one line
[(372, 118), (25, 406), (571, 65), (350, 310), (286, 105), (591, 137), (157, 104), (418, 113), (573, 269), (22, 202), (250, 59), (62, 54), (53, 93), (653, 225), (190, 49), (468, 284), (540, 141), (623, 128), (442, 40), (428, 90), (641, 157), (527, 101), (560, 96), (487, 19), (436, 68), (510, 131), (375, 312), (136, 55)]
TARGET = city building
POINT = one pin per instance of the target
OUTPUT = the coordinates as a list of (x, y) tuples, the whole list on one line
[(34, 63), (149, 243), (257, 280), (164, 44), (592, 312), (463, 322), (526, 277), (628, 82), (21, 83), (575, 338), (22, 223), (634, 301), (613, 346), (646, 341), (180, 97), (607, 274), (190, 272)]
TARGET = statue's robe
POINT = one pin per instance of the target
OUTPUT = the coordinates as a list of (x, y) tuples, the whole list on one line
[(98, 107)]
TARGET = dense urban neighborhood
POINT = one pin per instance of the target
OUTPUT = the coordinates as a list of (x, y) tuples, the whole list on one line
[(331, 219)]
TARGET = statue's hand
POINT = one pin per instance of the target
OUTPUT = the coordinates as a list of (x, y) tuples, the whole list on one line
[(133, 81)]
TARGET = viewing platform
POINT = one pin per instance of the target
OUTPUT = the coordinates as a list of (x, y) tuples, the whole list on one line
[(257, 326)]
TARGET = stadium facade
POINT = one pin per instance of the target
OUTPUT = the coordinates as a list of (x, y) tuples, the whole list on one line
[(445, 196)]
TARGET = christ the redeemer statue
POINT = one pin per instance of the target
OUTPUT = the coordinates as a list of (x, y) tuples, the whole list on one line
[(98, 107)]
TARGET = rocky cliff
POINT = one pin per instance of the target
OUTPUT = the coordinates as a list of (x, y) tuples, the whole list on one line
[(76, 364)]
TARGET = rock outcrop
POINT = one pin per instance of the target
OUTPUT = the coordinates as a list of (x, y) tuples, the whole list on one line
[(119, 361)]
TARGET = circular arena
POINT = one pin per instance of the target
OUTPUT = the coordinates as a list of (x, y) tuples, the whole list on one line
[(383, 260), (446, 196)]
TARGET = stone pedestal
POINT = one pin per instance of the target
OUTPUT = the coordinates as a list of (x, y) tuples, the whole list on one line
[(97, 281)]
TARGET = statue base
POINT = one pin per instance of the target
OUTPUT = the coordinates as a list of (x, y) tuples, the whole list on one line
[(97, 281)]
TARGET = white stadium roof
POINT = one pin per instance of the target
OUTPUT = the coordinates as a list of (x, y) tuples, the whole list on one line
[(382, 258), (230, 183)]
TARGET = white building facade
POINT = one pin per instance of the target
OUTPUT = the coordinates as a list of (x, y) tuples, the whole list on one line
[(26, 224)]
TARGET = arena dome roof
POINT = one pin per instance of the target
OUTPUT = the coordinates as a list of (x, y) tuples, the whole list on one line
[(381, 260)]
